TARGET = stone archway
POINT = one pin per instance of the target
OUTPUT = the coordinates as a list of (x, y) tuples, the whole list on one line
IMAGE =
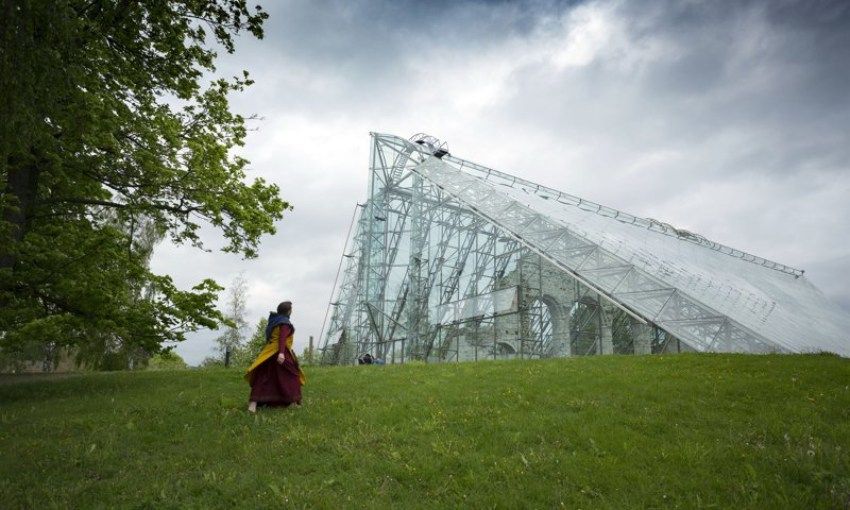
[(548, 325), (504, 350), (586, 324)]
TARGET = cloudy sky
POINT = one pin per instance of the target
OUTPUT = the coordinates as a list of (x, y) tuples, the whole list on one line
[(731, 119)]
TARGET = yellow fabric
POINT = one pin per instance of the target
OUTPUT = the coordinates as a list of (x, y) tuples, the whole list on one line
[(269, 350)]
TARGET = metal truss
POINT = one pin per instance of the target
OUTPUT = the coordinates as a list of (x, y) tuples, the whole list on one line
[(452, 261)]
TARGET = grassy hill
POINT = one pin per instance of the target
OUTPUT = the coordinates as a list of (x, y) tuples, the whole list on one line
[(685, 431)]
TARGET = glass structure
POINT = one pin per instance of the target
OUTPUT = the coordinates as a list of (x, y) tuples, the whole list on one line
[(448, 260)]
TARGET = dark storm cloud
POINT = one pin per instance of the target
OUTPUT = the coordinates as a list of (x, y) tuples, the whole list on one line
[(730, 118)]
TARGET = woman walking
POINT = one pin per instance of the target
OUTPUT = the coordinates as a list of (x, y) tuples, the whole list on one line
[(275, 376)]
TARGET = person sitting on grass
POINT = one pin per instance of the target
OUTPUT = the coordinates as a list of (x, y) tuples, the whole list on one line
[(368, 359), (275, 376)]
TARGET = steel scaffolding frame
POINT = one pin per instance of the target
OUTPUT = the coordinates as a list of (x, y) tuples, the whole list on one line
[(450, 261)]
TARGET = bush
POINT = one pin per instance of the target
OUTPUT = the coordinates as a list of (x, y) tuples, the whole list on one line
[(168, 360)]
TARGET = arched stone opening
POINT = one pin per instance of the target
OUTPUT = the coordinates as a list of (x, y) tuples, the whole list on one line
[(585, 327), (504, 350), (548, 325), (621, 336), (540, 323)]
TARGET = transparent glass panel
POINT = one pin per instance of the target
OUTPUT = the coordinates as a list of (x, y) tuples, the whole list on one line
[(448, 260)]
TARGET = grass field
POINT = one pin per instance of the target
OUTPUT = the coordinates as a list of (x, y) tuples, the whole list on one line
[(685, 431)]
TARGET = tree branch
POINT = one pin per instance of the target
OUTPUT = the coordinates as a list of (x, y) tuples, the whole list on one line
[(181, 209)]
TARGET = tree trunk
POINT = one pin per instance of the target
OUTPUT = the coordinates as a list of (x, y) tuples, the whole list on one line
[(20, 166)]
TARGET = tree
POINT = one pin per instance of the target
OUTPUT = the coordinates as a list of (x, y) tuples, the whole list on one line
[(106, 125), (234, 334), (116, 353), (212, 362), (245, 355), (308, 356), (166, 360)]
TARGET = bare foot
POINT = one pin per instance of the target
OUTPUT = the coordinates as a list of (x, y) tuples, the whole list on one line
[(252, 407)]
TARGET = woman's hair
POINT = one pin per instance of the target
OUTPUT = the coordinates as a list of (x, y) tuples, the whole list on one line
[(285, 308)]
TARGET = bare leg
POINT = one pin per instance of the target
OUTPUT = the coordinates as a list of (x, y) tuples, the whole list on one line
[(252, 407)]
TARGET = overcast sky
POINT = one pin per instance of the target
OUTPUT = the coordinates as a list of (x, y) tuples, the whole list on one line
[(731, 119)]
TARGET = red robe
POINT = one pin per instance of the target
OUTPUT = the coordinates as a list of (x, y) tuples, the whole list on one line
[(276, 384)]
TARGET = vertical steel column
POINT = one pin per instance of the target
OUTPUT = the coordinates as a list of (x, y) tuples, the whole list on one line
[(417, 300), (372, 327)]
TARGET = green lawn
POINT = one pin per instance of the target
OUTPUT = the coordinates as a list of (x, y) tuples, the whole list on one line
[(685, 431)]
